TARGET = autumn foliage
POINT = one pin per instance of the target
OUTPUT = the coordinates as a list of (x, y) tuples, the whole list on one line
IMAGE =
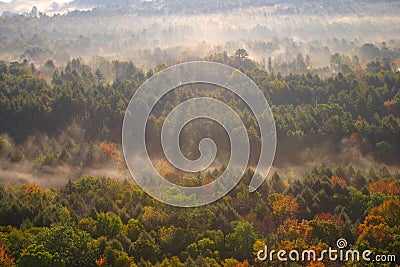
[(5, 259), (380, 226), (101, 262), (284, 206), (109, 149), (387, 188), (338, 180)]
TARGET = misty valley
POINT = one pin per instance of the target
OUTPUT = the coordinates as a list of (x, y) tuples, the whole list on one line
[(329, 70)]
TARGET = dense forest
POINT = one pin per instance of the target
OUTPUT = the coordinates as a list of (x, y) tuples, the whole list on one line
[(106, 222), (359, 109), (71, 118), (330, 71)]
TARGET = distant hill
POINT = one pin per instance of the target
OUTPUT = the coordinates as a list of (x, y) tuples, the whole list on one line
[(313, 7)]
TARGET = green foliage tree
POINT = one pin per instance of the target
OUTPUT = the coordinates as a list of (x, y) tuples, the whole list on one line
[(108, 224), (241, 240), (37, 256)]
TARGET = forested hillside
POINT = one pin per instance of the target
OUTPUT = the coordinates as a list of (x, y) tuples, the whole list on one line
[(106, 222), (342, 131), (360, 109)]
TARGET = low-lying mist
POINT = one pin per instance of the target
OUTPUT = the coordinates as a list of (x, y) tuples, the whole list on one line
[(53, 161), (106, 160)]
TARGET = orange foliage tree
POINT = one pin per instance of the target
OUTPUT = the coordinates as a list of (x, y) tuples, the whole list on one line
[(316, 264), (291, 229), (101, 262), (243, 264), (387, 188), (5, 259), (380, 226), (338, 180), (284, 206)]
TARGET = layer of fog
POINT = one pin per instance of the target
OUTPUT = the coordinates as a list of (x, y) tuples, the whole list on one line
[(86, 159), (332, 157), (58, 175), (155, 39)]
